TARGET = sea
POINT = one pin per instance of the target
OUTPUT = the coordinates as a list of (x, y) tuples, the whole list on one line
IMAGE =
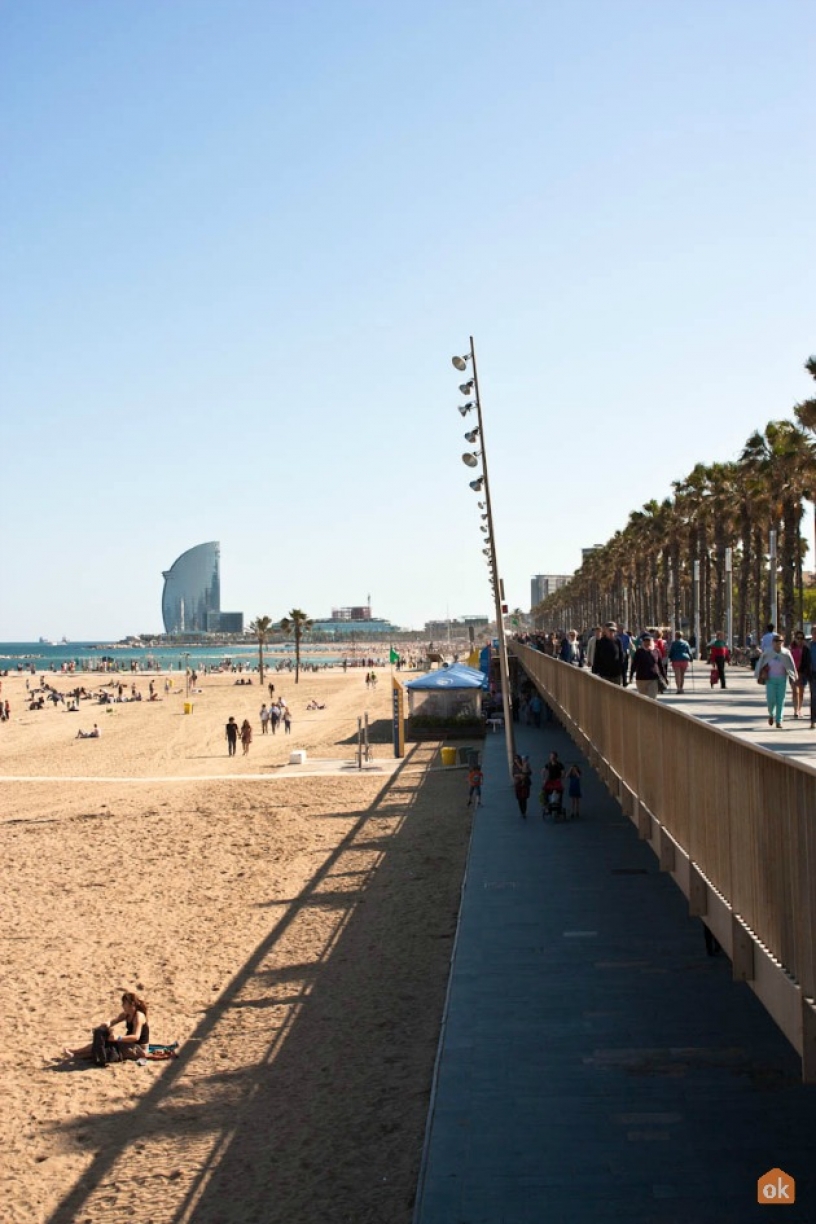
[(105, 657)]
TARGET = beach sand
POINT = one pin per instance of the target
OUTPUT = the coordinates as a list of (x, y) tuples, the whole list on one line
[(291, 927)]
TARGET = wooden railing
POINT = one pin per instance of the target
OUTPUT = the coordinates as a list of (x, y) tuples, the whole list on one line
[(735, 825)]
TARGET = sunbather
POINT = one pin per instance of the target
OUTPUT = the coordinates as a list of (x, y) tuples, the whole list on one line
[(137, 1032)]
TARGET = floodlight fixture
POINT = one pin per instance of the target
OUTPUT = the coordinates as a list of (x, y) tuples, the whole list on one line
[(465, 408), (471, 459), (460, 363), (472, 435), (466, 388), (476, 485)]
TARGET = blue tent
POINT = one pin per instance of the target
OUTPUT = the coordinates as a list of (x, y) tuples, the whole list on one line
[(457, 676)]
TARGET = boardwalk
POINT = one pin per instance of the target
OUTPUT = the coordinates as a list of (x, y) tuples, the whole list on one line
[(596, 1064)]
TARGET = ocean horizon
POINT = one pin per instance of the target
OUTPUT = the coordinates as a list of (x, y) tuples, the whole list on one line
[(90, 656)]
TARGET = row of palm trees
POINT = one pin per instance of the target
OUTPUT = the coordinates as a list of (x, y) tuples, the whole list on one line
[(295, 624), (720, 513)]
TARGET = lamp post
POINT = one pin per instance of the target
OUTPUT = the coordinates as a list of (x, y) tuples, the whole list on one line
[(697, 646), (729, 599), (471, 459), (772, 577)]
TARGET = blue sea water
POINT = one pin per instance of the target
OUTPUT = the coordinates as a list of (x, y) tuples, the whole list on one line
[(89, 656)]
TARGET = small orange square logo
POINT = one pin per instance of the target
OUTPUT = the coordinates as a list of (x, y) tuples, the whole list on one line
[(776, 1187)]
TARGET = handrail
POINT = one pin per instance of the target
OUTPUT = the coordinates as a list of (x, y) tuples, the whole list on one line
[(734, 823)]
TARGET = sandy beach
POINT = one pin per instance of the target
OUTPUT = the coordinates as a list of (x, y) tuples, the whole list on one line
[(290, 926)]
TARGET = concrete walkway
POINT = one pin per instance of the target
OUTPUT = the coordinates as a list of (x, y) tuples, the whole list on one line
[(595, 1063), (741, 710)]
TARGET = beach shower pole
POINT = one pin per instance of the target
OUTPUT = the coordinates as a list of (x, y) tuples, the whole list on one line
[(472, 387)]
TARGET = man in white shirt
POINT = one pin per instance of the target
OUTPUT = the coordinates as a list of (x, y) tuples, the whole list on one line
[(766, 641)]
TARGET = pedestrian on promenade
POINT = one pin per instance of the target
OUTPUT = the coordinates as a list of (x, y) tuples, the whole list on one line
[(775, 665), (809, 661), (570, 649), (766, 641), (522, 774), (800, 653), (246, 736), (680, 658), (647, 668), (589, 657), (717, 656), (608, 660), (287, 720), (231, 732), (627, 648), (264, 717)]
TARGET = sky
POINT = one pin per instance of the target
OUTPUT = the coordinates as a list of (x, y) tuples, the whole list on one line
[(241, 240)]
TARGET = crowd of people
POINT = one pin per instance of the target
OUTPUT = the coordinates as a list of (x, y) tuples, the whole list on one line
[(647, 660)]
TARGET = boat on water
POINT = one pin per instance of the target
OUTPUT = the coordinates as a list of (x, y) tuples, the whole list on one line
[(47, 642)]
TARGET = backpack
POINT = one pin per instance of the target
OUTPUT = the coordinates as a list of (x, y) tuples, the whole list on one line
[(99, 1045), (101, 1052)]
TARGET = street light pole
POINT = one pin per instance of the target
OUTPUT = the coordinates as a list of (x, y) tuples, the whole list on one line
[(504, 666), (729, 598), (772, 578)]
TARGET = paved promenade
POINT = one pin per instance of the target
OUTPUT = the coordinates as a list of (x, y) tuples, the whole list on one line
[(596, 1065), (740, 709)]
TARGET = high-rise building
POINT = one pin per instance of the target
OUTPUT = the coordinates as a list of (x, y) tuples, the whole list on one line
[(192, 589), (542, 585)]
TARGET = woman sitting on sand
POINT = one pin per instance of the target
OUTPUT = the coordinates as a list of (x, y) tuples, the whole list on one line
[(137, 1030)]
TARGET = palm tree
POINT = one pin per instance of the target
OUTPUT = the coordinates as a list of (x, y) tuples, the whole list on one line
[(805, 414), (296, 623), (260, 627)]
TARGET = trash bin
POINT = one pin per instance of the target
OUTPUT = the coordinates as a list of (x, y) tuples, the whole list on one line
[(448, 756), (188, 707), (468, 756)]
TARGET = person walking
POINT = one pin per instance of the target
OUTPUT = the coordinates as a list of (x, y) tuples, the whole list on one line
[(647, 668), (246, 736), (773, 668), (766, 641), (287, 720), (570, 649), (475, 779), (627, 650), (231, 736), (718, 656), (680, 659), (264, 717), (608, 659), (274, 716), (800, 654), (809, 661), (521, 782), (589, 654)]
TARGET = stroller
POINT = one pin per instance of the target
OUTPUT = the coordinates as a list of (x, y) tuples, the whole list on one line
[(552, 801)]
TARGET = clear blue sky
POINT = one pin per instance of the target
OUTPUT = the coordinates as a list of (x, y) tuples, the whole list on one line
[(239, 242)]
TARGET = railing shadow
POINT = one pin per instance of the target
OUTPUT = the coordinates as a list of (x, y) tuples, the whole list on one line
[(252, 1122)]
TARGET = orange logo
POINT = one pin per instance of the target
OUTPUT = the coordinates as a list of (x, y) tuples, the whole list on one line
[(776, 1187)]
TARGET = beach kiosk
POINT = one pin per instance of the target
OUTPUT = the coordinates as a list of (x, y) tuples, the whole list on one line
[(446, 703)]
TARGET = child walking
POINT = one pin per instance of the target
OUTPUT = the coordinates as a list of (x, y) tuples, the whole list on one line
[(574, 791), (475, 779)]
